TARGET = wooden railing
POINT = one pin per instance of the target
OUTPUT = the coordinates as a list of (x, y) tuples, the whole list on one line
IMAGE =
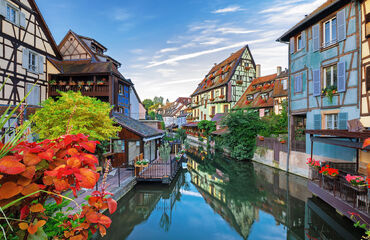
[(298, 146), (94, 89)]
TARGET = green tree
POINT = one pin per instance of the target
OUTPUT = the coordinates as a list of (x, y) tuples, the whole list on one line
[(208, 127), (275, 124), (151, 115), (147, 103), (240, 140), (181, 135), (75, 113), (158, 100)]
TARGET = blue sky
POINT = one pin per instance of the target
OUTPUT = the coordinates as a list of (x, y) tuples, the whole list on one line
[(167, 46)]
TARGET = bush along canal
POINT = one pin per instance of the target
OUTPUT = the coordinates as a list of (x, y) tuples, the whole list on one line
[(217, 198)]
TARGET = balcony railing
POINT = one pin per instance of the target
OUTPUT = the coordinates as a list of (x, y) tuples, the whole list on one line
[(339, 193), (89, 90)]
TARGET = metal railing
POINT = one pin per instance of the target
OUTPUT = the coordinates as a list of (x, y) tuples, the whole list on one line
[(160, 170)]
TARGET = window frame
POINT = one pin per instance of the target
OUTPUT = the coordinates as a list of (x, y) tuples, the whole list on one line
[(299, 38), (16, 13), (334, 119), (332, 80), (332, 41), (36, 66)]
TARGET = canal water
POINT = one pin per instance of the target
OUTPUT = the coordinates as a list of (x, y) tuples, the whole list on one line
[(217, 198)]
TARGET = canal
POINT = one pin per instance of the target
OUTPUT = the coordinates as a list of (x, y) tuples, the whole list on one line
[(216, 198)]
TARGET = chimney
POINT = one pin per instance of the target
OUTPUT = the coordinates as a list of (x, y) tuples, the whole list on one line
[(278, 70), (258, 70)]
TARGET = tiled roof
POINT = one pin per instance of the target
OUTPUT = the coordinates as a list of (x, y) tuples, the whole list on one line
[(259, 103), (313, 17), (85, 67), (227, 66), (136, 126), (268, 86), (184, 100), (221, 131)]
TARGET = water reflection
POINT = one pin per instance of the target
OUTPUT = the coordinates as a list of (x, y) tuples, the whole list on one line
[(222, 199)]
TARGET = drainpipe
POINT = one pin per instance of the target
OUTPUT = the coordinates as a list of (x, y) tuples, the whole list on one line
[(289, 114)]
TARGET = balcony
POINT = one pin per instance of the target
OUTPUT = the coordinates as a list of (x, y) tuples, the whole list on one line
[(340, 194), (86, 88)]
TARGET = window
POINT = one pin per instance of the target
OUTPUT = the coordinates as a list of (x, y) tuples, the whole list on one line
[(32, 62), (34, 97), (285, 84), (226, 108), (11, 14), (119, 146), (330, 76), (250, 97), (121, 89), (222, 91), (213, 111), (330, 32), (298, 83), (331, 121), (299, 42), (368, 78)]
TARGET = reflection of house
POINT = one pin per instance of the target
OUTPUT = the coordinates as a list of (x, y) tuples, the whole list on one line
[(25, 44), (265, 94), (86, 68), (223, 85), (135, 138)]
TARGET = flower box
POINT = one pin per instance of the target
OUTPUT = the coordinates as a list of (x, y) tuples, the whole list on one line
[(282, 141), (222, 96), (239, 82), (211, 99), (100, 83), (261, 138), (53, 82), (72, 83), (247, 68), (62, 83)]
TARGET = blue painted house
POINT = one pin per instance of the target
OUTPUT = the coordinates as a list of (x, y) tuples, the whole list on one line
[(325, 65)]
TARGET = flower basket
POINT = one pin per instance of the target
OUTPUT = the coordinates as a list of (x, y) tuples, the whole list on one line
[(356, 182), (282, 141), (100, 83), (261, 138), (62, 83), (329, 172), (222, 96), (90, 83), (239, 82), (329, 92)]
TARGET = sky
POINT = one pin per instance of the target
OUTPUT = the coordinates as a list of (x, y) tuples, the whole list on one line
[(166, 47)]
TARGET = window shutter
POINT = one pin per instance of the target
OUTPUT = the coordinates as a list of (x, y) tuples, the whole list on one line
[(316, 82), (341, 73), (3, 8), (303, 36), (367, 78), (315, 37), (342, 120), (25, 61), (41, 64), (341, 21), (291, 45), (317, 121), (295, 83), (29, 99), (300, 82), (22, 19)]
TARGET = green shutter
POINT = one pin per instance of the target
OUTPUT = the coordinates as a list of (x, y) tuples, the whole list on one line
[(317, 121), (342, 120)]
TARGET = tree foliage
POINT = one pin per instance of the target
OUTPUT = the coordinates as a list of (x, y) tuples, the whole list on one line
[(147, 103), (181, 135), (79, 114), (158, 100), (243, 127), (275, 124), (207, 126)]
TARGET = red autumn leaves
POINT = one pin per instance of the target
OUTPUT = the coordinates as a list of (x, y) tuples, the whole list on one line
[(66, 163)]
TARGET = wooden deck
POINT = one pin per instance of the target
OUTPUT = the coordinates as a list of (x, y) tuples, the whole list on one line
[(158, 171)]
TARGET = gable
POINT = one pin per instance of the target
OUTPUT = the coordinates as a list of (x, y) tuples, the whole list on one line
[(72, 48)]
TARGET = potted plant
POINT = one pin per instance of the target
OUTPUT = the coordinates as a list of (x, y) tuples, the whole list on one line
[(53, 82), (282, 141), (329, 172), (329, 92), (356, 181), (72, 83), (100, 82), (261, 138), (90, 83), (81, 83), (62, 83), (314, 166)]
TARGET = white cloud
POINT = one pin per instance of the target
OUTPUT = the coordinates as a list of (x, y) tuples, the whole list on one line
[(165, 50), (228, 9), (137, 51), (212, 41), (121, 14), (225, 30), (175, 59), (166, 72)]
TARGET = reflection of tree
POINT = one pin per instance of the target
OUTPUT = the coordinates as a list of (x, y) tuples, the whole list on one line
[(165, 222)]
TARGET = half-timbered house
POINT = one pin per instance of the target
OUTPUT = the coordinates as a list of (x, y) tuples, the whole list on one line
[(86, 68), (327, 90), (223, 86), (25, 44)]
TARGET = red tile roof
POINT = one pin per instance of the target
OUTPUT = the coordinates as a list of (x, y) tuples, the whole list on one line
[(227, 66)]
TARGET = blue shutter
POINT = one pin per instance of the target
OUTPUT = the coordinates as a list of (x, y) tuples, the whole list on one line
[(300, 82), (315, 37), (341, 75), (317, 121), (341, 25), (342, 120), (295, 83), (303, 36), (291, 45), (316, 83)]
